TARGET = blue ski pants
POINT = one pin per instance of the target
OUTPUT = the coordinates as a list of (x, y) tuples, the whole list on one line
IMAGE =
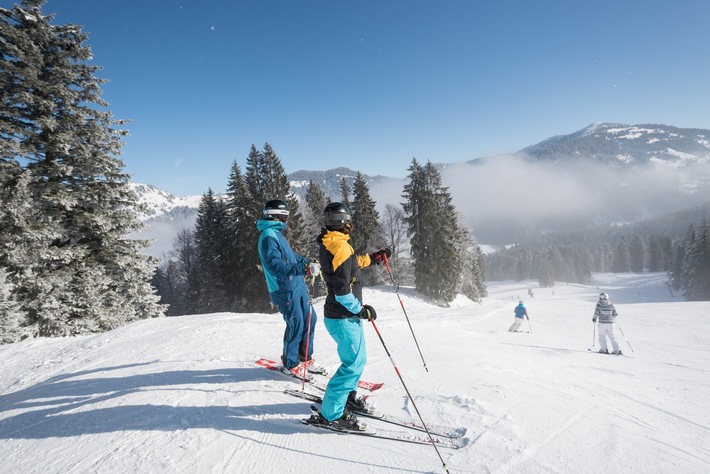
[(350, 339), (295, 313)]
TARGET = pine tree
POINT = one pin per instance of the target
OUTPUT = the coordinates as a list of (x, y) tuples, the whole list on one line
[(365, 218), (435, 234), (345, 191), (239, 244), (211, 244), (368, 235), (78, 273)]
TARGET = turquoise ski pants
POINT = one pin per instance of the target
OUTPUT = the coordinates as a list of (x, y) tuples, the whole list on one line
[(350, 339)]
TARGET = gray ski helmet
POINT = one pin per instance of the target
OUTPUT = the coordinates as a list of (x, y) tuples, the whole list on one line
[(603, 296), (336, 216), (276, 209)]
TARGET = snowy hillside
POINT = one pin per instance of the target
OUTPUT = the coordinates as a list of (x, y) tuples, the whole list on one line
[(164, 216), (157, 203), (627, 144), (183, 394)]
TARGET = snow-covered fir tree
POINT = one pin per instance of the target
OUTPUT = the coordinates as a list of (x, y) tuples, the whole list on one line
[(70, 266), (436, 237)]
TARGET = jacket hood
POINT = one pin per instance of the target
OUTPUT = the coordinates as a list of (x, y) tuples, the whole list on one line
[(263, 224), (331, 235)]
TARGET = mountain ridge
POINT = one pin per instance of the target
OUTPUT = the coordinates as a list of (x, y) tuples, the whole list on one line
[(680, 156)]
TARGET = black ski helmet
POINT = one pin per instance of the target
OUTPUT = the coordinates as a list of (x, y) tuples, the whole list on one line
[(336, 216), (276, 209)]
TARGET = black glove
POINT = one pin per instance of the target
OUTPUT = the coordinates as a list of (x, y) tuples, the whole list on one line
[(381, 255), (594, 320), (367, 312)]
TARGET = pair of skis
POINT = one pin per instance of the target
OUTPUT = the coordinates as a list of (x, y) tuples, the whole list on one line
[(403, 436), (444, 436), (311, 379)]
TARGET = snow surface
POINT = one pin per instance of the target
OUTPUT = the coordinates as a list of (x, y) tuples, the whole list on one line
[(182, 395)]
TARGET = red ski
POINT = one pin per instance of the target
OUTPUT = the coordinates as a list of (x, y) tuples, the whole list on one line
[(312, 380)]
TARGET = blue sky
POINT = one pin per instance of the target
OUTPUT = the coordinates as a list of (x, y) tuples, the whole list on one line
[(372, 84)]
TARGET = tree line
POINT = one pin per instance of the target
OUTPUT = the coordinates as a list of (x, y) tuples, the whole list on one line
[(573, 257), (214, 266)]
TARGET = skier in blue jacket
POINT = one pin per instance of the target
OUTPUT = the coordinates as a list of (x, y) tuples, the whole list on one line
[(284, 270), (520, 313)]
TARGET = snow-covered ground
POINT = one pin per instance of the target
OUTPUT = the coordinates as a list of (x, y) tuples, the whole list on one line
[(182, 395)]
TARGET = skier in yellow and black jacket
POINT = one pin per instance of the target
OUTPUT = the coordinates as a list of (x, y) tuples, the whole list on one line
[(344, 312)]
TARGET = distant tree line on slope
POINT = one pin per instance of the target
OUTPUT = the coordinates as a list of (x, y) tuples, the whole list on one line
[(66, 208), (215, 266), (573, 257)]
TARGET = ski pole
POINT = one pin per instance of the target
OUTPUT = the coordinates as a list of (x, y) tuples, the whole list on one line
[(308, 336), (401, 303), (446, 468), (594, 334), (530, 326), (622, 333)]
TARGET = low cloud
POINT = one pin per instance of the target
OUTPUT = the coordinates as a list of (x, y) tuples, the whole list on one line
[(507, 197)]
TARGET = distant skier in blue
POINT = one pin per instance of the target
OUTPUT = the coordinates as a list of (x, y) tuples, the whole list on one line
[(520, 314)]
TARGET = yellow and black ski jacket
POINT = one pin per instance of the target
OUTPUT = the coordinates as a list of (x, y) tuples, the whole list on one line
[(341, 271)]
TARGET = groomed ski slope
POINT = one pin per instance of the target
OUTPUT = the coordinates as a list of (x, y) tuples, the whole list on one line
[(182, 395)]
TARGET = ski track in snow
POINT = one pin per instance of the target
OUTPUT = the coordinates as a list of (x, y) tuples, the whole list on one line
[(183, 394)]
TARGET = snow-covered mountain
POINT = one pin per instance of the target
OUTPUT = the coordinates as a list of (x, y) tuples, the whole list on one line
[(158, 204), (617, 144), (328, 180), (164, 215)]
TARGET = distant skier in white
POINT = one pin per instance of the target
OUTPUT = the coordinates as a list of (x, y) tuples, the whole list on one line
[(520, 314), (606, 314)]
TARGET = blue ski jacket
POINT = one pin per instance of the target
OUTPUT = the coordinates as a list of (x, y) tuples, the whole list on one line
[(283, 268), (520, 311)]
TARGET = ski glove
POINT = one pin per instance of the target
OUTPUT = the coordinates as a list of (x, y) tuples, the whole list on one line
[(312, 269), (381, 255), (367, 312), (594, 320)]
